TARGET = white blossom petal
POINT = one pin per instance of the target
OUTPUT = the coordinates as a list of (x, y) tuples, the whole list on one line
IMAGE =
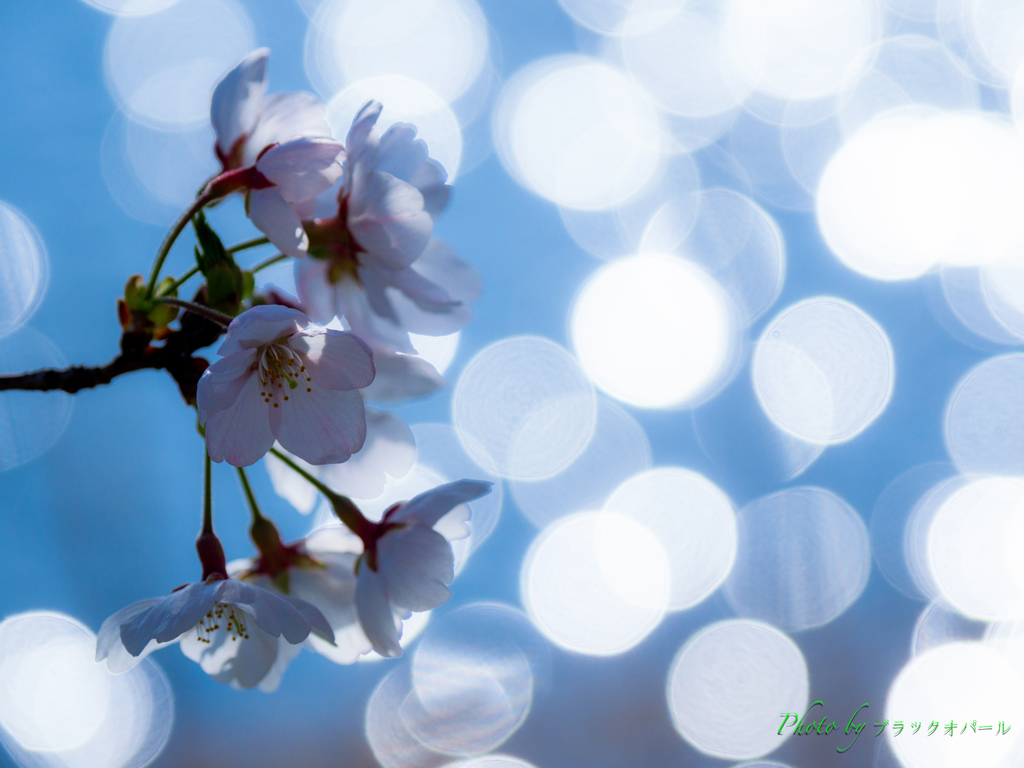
[(389, 451), (241, 434), (273, 614), (318, 296), (237, 99), (302, 168), (318, 623), (375, 616), (335, 359), (286, 116), (405, 157), (275, 218), (169, 618), (430, 506), (291, 486), (108, 639), (418, 565), (323, 426), (285, 653), (221, 383), (260, 325), (401, 377), (361, 142), (241, 662), (386, 217), (441, 267)]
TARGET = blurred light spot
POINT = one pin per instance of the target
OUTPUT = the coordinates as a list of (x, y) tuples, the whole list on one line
[(524, 409), (689, 134), (596, 583), (687, 66), (439, 351), (30, 422), (24, 270), (59, 709), (974, 545), (729, 683), (440, 43), (130, 7), (745, 444), (912, 189), (694, 522), (617, 450), (944, 685), (405, 101), (998, 27), (473, 675), (802, 49), (577, 132), (916, 544), (985, 418), (965, 300), (957, 30), (803, 559), (492, 761), (1002, 289), (669, 199), (628, 17), (439, 451), (823, 370), (394, 745), (161, 69), (938, 625), (891, 516), (655, 331), (740, 245), (758, 146)]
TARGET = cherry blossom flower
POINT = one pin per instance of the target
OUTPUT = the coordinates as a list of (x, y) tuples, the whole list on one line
[(276, 149), (378, 266), (230, 627), (280, 379), (406, 565)]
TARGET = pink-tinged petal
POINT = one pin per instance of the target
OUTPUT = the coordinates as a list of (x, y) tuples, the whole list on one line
[(386, 217), (272, 613), (374, 610), (319, 297), (305, 209), (440, 266), (405, 157), (285, 653), (242, 663), (277, 220), (402, 377), (426, 295), (169, 618), (237, 99), (302, 168), (378, 332), (334, 359), (108, 639), (333, 539), (263, 324), (241, 434), (418, 565), (291, 486), (286, 116), (389, 451), (362, 136), (323, 426), (221, 383), (430, 506)]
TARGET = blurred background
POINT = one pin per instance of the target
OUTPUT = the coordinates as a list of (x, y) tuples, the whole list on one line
[(746, 370)]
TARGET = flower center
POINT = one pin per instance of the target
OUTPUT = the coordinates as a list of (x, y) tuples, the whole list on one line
[(223, 615), (279, 365)]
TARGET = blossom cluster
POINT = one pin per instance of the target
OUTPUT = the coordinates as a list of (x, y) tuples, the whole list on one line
[(357, 218)]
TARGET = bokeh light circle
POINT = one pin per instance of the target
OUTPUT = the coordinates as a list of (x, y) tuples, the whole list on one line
[(939, 625), (577, 132), (596, 583), (803, 559), (974, 545), (984, 421), (524, 408), (24, 270), (729, 683), (60, 709), (694, 521), (655, 331), (161, 68), (947, 684), (130, 7), (823, 370), (440, 43)]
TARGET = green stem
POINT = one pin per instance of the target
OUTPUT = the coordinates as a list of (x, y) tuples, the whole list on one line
[(254, 507), (199, 309), (345, 510), (256, 241), (269, 262), (177, 283), (165, 246), (207, 497)]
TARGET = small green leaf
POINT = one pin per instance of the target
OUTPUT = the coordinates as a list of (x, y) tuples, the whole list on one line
[(225, 283)]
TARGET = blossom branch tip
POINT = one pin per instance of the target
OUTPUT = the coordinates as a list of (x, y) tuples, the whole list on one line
[(199, 309)]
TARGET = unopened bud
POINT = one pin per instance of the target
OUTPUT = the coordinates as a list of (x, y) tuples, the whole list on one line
[(211, 555)]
